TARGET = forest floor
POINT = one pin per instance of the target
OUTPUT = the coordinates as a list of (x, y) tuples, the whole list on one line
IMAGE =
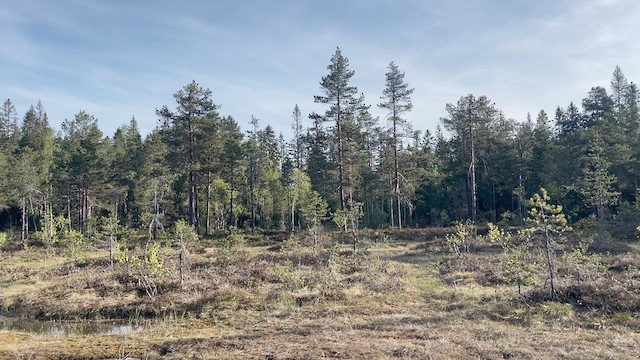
[(403, 296)]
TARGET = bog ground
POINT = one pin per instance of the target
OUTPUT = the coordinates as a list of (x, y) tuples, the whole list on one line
[(403, 294)]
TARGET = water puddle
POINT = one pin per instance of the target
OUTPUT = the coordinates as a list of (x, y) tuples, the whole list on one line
[(68, 328)]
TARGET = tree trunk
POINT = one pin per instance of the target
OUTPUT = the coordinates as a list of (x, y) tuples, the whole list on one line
[(192, 200), (156, 212), (292, 207), (472, 175), (391, 214), (33, 221), (252, 190), (396, 177), (340, 158), (208, 220), (112, 232), (232, 219), (181, 262), (549, 253), (69, 210), (24, 224)]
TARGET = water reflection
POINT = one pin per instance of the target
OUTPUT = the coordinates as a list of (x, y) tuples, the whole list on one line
[(67, 328)]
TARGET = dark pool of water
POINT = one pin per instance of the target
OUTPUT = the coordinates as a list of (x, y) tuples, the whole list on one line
[(68, 328)]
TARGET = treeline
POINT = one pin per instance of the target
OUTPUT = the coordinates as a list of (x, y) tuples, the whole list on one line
[(344, 164)]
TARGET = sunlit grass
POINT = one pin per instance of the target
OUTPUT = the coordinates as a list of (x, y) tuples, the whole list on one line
[(388, 300)]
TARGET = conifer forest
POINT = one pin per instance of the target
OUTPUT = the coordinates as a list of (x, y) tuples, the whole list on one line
[(351, 236), (201, 167)]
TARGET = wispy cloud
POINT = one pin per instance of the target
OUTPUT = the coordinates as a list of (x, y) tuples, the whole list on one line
[(116, 59)]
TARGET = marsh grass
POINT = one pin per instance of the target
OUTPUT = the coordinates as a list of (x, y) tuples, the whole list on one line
[(404, 297)]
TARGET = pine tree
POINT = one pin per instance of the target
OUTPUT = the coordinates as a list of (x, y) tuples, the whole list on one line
[(398, 101), (232, 164), (183, 130), (81, 157), (468, 120), (156, 180), (340, 96), (318, 164), (548, 221)]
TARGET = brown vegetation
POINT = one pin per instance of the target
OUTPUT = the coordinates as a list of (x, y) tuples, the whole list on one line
[(391, 299)]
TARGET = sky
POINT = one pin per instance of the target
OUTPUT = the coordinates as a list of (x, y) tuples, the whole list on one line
[(121, 58)]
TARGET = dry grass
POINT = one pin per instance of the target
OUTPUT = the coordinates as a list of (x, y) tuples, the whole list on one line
[(405, 299)]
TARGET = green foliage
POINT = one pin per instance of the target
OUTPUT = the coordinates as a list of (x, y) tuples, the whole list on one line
[(290, 279), (3, 239), (548, 222), (229, 245), (521, 264), (148, 269), (498, 236), (349, 219), (583, 263), (519, 256), (74, 244), (545, 218), (184, 234), (597, 182), (461, 240), (197, 164), (345, 218), (292, 243)]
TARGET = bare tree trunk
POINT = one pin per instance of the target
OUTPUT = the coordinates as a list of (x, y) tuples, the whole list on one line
[(549, 252), (208, 221), (156, 212), (112, 233), (340, 158), (396, 176), (69, 210), (391, 215), (292, 204), (252, 189), (472, 175), (24, 224), (34, 222), (181, 262), (232, 219), (399, 210)]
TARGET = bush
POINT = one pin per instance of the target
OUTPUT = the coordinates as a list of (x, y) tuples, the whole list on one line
[(462, 239), (623, 225), (148, 270), (229, 245)]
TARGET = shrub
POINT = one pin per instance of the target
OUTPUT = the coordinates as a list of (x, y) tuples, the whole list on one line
[(229, 245), (462, 238)]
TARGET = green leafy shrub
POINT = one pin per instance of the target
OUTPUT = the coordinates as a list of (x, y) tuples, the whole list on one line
[(462, 238)]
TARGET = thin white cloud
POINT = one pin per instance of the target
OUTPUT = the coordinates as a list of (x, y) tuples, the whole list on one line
[(117, 60)]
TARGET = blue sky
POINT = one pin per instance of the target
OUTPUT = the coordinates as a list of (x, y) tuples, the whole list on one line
[(120, 58)]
